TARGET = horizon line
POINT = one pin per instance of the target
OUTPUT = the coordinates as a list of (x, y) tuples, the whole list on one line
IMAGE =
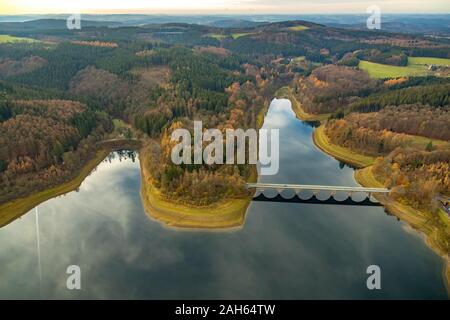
[(221, 13)]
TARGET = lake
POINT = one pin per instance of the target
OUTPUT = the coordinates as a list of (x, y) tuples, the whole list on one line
[(284, 250)]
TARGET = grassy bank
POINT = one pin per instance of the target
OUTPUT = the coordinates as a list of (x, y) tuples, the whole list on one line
[(302, 114), (343, 154), (229, 213), (415, 218), (419, 220), (286, 93), (261, 116), (10, 211)]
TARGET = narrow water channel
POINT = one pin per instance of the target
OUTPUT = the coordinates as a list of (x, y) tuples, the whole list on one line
[(284, 251)]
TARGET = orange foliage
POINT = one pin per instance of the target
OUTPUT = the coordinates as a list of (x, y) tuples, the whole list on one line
[(392, 82)]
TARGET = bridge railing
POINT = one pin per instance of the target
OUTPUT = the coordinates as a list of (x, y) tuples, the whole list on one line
[(299, 187)]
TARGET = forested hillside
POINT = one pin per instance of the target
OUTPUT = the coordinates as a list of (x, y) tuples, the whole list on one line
[(331, 87), (62, 91), (44, 140)]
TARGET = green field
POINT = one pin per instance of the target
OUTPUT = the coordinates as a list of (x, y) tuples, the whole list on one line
[(235, 36), (298, 28), (299, 59), (118, 124), (217, 36), (238, 35), (9, 39), (377, 70), (417, 66), (422, 142), (428, 61), (444, 217)]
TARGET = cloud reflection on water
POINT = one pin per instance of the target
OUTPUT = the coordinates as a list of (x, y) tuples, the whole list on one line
[(283, 251)]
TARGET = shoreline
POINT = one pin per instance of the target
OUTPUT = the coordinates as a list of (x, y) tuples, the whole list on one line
[(345, 155), (415, 219), (300, 113), (364, 176), (224, 215), (228, 214), (14, 209)]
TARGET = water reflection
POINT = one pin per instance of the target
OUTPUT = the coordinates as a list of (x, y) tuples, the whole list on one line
[(312, 124), (283, 251), (122, 155)]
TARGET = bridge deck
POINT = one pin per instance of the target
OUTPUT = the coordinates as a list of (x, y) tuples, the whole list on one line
[(315, 187)]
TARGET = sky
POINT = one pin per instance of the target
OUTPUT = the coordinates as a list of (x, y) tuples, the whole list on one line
[(221, 6)]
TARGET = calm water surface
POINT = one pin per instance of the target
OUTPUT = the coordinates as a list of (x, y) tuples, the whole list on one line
[(284, 251)]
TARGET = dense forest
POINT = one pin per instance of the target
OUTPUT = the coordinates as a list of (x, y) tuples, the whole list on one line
[(59, 99), (42, 141), (332, 87), (413, 119), (416, 176), (435, 95), (405, 123), (63, 93)]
